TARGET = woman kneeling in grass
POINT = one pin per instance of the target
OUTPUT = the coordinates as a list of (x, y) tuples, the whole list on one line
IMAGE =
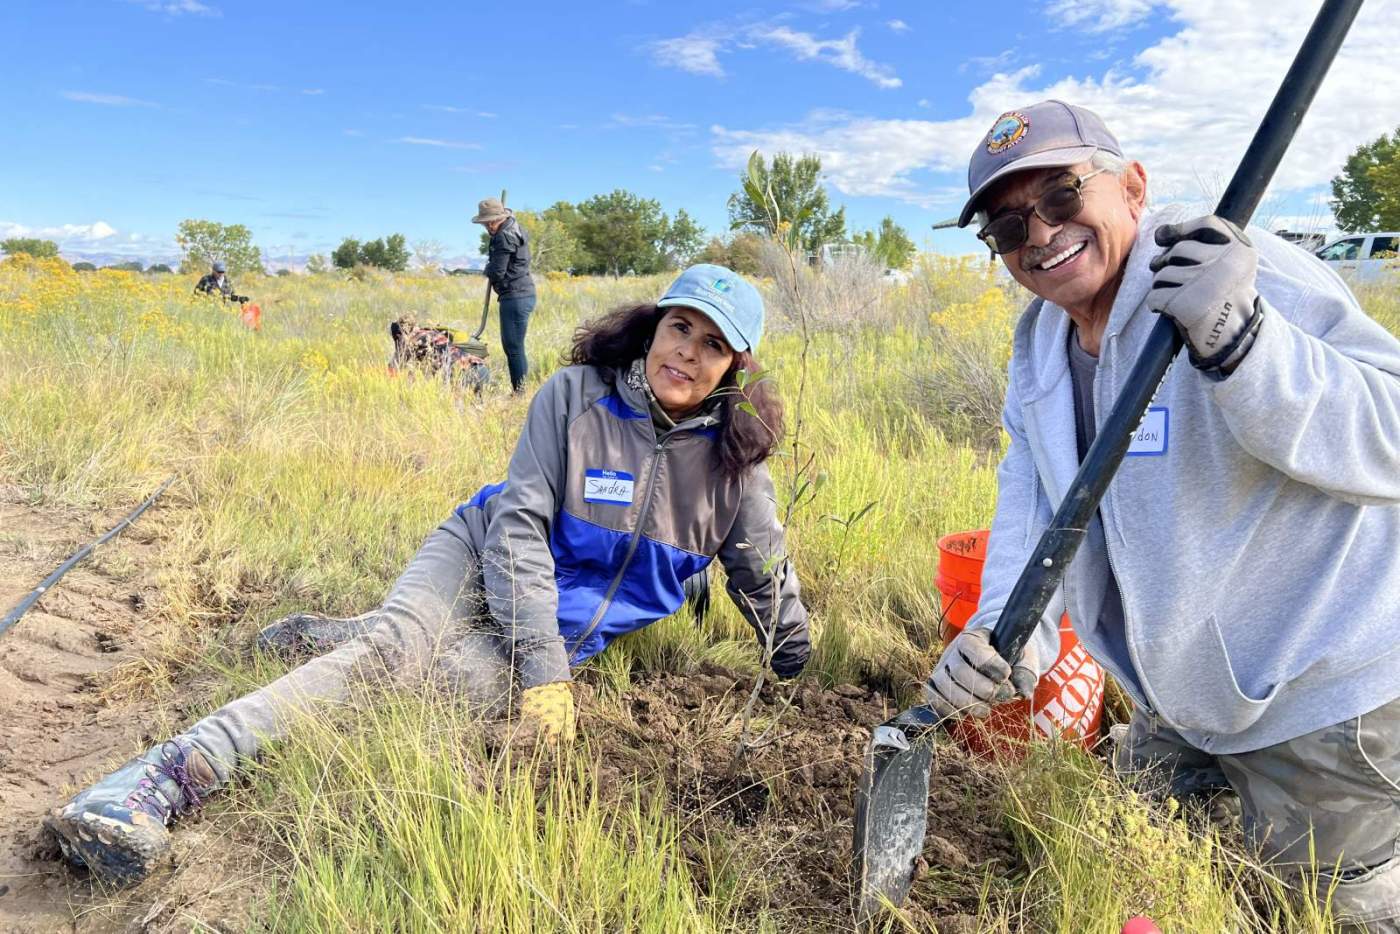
[(636, 467)]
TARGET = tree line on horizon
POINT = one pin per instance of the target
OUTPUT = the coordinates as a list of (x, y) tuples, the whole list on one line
[(622, 233)]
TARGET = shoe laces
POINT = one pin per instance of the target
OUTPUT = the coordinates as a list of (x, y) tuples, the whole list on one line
[(175, 768)]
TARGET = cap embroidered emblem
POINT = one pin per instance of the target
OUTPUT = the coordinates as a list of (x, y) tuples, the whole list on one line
[(722, 285), (1009, 130)]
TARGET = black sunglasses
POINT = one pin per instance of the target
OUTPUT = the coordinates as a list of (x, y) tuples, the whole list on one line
[(1007, 233)]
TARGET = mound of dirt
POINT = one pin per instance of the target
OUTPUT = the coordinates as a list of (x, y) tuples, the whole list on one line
[(787, 801)]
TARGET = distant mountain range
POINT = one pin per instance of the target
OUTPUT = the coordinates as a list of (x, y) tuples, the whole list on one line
[(296, 262), (116, 259)]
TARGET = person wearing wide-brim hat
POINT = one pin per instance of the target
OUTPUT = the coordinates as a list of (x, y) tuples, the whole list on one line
[(508, 269)]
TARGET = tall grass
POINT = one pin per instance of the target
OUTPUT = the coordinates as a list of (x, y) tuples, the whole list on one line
[(399, 814), (308, 476)]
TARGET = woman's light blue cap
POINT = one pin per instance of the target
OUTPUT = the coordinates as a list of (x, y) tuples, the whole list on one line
[(725, 297)]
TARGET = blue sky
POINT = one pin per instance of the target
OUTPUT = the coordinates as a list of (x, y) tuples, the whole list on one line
[(310, 121)]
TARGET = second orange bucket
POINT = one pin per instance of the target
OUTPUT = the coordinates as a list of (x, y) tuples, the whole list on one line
[(1068, 701)]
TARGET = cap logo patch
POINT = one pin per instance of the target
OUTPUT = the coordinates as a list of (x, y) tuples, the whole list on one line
[(722, 285), (1009, 130)]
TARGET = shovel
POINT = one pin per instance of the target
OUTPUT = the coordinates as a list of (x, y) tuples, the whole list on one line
[(892, 798)]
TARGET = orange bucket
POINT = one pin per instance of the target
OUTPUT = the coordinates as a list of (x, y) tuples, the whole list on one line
[(1068, 701), (251, 316)]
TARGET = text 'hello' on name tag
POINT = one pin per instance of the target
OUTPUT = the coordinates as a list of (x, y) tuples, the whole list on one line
[(1150, 436), (607, 486)]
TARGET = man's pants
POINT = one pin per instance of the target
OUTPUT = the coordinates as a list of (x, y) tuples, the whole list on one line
[(1329, 797), (515, 318), (433, 625)]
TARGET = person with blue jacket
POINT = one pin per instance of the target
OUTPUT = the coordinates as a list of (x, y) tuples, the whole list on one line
[(637, 466), (1241, 579)]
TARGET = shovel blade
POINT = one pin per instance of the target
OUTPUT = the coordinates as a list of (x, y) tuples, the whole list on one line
[(891, 818)]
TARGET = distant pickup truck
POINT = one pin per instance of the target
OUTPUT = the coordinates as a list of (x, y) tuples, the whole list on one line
[(1363, 258)]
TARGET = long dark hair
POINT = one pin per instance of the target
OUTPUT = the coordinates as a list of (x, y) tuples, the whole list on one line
[(746, 439)]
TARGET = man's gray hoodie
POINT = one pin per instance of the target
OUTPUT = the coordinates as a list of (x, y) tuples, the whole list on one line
[(1254, 532)]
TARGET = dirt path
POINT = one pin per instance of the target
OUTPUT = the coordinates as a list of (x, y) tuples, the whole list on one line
[(55, 727)]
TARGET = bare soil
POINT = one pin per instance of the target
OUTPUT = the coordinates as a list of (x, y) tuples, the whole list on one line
[(789, 805), (56, 727)]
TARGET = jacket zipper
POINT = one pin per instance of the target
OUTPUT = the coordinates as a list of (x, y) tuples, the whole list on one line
[(1104, 511), (631, 548)]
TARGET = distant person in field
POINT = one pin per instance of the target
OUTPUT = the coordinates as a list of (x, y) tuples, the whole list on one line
[(1241, 579), (638, 465), (508, 269), (217, 283)]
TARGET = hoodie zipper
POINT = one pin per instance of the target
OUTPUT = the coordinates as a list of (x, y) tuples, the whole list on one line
[(657, 451), (631, 549), (1104, 510)]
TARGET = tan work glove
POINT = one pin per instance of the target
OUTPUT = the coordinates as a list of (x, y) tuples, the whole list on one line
[(547, 711)]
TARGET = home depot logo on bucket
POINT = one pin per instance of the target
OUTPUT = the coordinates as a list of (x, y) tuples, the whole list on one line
[(1068, 701)]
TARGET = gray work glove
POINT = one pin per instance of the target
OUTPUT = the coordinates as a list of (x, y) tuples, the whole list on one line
[(1204, 282), (971, 678)]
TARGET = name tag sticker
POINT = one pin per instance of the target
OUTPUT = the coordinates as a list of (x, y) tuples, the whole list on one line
[(1150, 438), (607, 486)]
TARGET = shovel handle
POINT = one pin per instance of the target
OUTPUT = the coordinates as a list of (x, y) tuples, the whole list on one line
[(1045, 571), (486, 302)]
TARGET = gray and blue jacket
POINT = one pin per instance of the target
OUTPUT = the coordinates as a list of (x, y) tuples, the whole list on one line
[(601, 519), (1254, 528)]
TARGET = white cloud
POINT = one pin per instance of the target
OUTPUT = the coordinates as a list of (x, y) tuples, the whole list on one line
[(842, 53), (698, 52), (440, 143), (448, 108), (226, 83), (985, 64), (353, 132), (898, 25), (313, 92), (107, 100), (1101, 15), (695, 53), (97, 237), (179, 7), (657, 121), (1187, 112), (861, 156)]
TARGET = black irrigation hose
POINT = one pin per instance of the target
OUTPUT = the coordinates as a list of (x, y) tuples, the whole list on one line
[(23, 606)]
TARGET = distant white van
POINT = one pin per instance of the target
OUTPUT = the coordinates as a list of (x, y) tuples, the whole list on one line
[(1364, 257)]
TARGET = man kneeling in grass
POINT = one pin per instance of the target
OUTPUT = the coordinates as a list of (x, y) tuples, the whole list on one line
[(637, 466), (1240, 578)]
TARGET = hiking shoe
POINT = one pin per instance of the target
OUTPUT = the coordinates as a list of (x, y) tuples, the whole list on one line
[(306, 635), (117, 827)]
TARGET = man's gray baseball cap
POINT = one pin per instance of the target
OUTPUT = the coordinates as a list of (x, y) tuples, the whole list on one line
[(1045, 135)]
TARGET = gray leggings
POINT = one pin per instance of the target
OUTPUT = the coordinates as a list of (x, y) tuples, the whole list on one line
[(1331, 795), (434, 624)]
